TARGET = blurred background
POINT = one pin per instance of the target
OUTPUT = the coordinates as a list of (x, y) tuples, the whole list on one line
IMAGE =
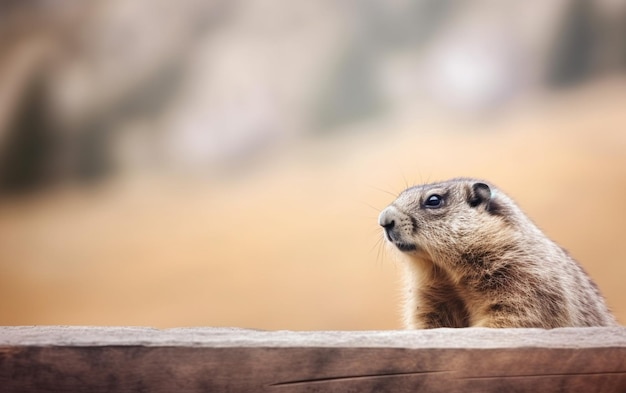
[(223, 163)]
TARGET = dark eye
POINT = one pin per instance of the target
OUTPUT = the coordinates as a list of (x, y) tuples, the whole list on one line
[(434, 201)]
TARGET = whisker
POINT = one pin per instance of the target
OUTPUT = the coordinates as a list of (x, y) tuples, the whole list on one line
[(371, 206), (380, 252), (376, 244), (421, 176), (375, 231), (385, 191)]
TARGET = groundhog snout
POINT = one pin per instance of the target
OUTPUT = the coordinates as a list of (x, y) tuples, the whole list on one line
[(387, 219), (398, 228)]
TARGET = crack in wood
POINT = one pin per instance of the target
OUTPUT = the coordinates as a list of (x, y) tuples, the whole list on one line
[(348, 378), (356, 377), (548, 375)]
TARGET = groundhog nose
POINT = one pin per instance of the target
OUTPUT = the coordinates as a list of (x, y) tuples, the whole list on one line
[(386, 218)]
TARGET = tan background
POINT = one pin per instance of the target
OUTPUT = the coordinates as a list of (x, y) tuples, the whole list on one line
[(296, 246)]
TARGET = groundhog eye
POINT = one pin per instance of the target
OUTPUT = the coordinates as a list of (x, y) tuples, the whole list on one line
[(434, 201)]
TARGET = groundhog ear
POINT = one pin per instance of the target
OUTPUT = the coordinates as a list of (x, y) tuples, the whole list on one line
[(480, 193)]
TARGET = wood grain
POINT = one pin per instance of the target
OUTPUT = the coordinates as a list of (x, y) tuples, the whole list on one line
[(237, 360)]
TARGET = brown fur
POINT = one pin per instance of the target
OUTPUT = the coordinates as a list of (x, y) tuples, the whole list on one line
[(478, 260)]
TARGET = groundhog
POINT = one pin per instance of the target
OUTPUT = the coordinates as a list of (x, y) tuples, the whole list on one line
[(474, 259)]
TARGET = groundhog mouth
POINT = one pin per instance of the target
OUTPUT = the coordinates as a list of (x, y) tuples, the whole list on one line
[(394, 238), (405, 247)]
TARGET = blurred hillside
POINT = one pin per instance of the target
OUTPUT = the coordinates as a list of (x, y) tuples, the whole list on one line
[(223, 163)]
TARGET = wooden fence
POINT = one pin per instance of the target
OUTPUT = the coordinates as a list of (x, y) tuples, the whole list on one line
[(123, 359)]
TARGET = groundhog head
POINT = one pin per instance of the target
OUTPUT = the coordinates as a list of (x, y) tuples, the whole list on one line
[(443, 218)]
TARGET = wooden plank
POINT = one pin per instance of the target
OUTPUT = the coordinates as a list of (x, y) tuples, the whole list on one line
[(237, 360)]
